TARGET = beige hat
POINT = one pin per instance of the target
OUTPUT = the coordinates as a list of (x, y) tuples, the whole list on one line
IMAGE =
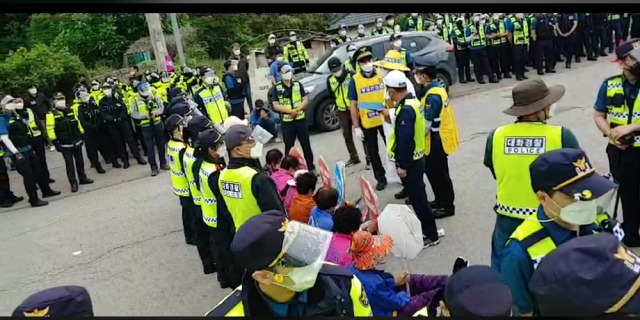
[(531, 96)]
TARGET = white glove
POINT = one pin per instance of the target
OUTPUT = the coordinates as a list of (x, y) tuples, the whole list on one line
[(359, 133)]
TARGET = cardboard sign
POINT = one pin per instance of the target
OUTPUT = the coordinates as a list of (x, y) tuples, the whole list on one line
[(369, 198), (325, 174), (340, 183), (295, 152)]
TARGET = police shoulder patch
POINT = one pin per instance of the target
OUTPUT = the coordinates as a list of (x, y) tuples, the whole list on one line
[(364, 301)]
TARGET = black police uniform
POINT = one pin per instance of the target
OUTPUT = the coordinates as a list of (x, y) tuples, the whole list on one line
[(38, 144), (116, 121), (544, 43), (68, 141), (586, 29), (95, 135), (598, 37), (565, 23), (625, 23)]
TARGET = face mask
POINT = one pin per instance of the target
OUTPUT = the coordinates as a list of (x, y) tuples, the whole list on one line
[(415, 77), (84, 97), (343, 33), (390, 22), (256, 151), (483, 21), (33, 91), (294, 38), (234, 68), (338, 73), (361, 31), (439, 22), (367, 67), (552, 110), (287, 76), (519, 15), (496, 16), (19, 106), (208, 80), (379, 25), (280, 59), (397, 43), (272, 41), (580, 213), (222, 151), (236, 52), (351, 53), (107, 92), (501, 15), (303, 278), (476, 19), (415, 15), (95, 87), (166, 80), (144, 92), (61, 104)]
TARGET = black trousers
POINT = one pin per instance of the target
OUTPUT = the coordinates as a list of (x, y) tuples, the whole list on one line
[(437, 170), (598, 40), (462, 60), (544, 50), (481, 64), (615, 27), (136, 131), (373, 152), (568, 48), (97, 141), (74, 163), (624, 165), (498, 60), (579, 43), (557, 47), (413, 184), (32, 176), (586, 38), (625, 24), (634, 32), (154, 137), (364, 145), (6, 195), (531, 53), (298, 129), (229, 272), (201, 237), (519, 54), (188, 214), (39, 146), (120, 135)]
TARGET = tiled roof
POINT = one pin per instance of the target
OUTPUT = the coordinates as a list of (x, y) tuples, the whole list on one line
[(354, 19)]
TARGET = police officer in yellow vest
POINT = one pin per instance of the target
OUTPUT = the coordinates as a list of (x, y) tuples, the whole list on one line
[(66, 135), (216, 218), (443, 29), (38, 140), (286, 274), (366, 95), (159, 88), (379, 28), (462, 50), (396, 44), (573, 201), (351, 63), (406, 148), (390, 25), (414, 22), (296, 54), (338, 83), (497, 47), (518, 36), (342, 36), (96, 91), (147, 108), (246, 189), (511, 148), (210, 98), (290, 99), (441, 141), (617, 116)]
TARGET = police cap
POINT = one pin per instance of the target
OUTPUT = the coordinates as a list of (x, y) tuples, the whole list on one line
[(362, 53), (66, 301)]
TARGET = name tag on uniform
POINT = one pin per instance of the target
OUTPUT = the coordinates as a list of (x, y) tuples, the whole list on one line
[(372, 114), (231, 190), (525, 145)]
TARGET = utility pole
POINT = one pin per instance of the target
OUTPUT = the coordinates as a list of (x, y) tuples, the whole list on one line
[(178, 37), (157, 39)]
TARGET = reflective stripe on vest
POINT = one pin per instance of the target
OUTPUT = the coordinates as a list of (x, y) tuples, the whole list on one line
[(188, 160), (294, 52), (178, 178), (481, 39), (209, 205), (499, 28), (460, 41), (444, 124), (444, 31), (370, 92), (618, 111), (412, 25), (291, 104), (214, 105), (340, 91), (143, 109), (352, 66), (235, 187), (34, 131), (520, 31), (418, 134), (515, 147)]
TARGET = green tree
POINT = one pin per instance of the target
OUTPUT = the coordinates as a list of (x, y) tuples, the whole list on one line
[(13, 33)]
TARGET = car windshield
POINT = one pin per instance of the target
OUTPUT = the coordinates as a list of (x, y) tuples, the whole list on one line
[(321, 65)]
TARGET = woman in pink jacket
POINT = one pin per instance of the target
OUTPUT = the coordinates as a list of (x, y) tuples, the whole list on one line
[(346, 221)]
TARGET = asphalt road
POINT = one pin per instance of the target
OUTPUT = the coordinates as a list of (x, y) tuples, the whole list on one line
[(122, 236)]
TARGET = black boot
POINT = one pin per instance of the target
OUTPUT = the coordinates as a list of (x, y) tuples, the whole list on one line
[(51, 193), (126, 164), (99, 168), (86, 181), (74, 187), (400, 195), (140, 160), (38, 203), (116, 164)]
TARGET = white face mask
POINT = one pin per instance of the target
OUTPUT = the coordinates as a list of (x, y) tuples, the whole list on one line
[(302, 278), (390, 22), (256, 151), (379, 24), (415, 77), (397, 43), (272, 41), (343, 33), (132, 73), (367, 67), (208, 80), (351, 53), (338, 73), (496, 16), (476, 18), (482, 21), (236, 52), (439, 22), (234, 68), (61, 104), (33, 91), (552, 110), (166, 80), (84, 97), (222, 151), (144, 93), (95, 87), (361, 30), (293, 38), (280, 58), (19, 106), (287, 76), (415, 15), (519, 15), (107, 92)]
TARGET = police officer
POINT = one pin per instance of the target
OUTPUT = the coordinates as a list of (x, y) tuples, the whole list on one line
[(148, 108), (625, 22), (272, 49), (342, 36), (390, 25), (351, 64), (512, 147), (94, 127), (476, 33), (66, 135), (7, 198), (406, 148), (210, 99), (38, 139), (518, 36), (615, 27), (566, 27), (570, 195), (159, 88), (379, 28), (96, 92), (290, 99), (617, 117), (361, 34), (443, 29), (395, 41), (366, 95), (296, 54), (599, 35), (586, 29), (542, 34), (462, 51), (14, 133), (442, 140), (414, 23), (309, 286), (338, 83), (497, 49)]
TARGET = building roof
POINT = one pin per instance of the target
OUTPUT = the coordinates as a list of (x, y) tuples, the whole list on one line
[(354, 19)]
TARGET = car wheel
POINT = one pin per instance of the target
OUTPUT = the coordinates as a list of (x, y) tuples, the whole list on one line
[(327, 116), (443, 80)]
